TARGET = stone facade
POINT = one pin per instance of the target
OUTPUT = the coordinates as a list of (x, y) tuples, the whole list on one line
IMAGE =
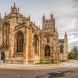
[(23, 42)]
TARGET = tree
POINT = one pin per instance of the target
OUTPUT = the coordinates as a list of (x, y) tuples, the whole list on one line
[(74, 53)]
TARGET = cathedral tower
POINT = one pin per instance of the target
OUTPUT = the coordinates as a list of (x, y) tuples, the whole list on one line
[(49, 23)]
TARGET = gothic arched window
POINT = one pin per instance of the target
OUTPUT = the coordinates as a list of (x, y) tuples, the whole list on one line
[(5, 34), (61, 48), (35, 43), (19, 41)]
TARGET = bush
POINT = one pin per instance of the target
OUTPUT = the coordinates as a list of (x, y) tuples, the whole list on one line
[(45, 62), (72, 55)]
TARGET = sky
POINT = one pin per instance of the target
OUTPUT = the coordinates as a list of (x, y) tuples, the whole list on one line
[(64, 11)]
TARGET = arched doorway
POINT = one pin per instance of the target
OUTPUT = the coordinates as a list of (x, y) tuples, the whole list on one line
[(3, 56), (19, 42), (47, 51)]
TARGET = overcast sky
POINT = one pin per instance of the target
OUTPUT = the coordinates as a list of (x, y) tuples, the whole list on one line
[(65, 13)]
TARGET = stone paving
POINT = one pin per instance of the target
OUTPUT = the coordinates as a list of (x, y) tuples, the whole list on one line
[(64, 70), (68, 64), (31, 66)]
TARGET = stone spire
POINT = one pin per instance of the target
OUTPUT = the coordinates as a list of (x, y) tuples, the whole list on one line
[(65, 53), (14, 5)]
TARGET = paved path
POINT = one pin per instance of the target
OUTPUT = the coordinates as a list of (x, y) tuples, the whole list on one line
[(30, 66), (64, 70), (68, 64)]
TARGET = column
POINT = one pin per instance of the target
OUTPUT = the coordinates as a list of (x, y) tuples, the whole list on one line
[(27, 43)]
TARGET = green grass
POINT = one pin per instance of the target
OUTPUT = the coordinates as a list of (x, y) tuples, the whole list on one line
[(45, 62)]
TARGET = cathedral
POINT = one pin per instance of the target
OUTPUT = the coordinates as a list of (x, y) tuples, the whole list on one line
[(23, 42)]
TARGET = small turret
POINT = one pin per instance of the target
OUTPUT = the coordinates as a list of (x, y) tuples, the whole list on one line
[(43, 18), (51, 16), (14, 9), (65, 36), (43, 22), (18, 10), (0, 16), (65, 41)]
